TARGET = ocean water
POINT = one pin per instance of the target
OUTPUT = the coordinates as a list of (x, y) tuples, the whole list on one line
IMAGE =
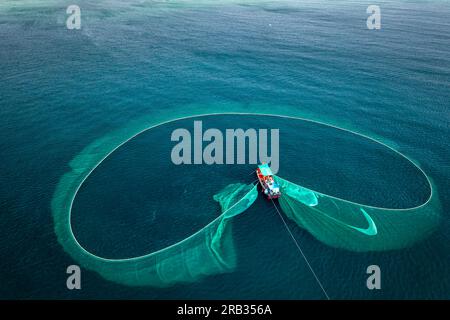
[(63, 89)]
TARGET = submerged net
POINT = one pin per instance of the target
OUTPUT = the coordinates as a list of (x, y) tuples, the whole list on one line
[(351, 226), (208, 251), (335, 222), (234, 199)]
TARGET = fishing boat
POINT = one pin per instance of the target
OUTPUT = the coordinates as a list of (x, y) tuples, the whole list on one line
[(269, 187)]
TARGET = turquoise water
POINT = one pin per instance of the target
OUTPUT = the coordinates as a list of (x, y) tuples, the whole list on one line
[(61, 90)]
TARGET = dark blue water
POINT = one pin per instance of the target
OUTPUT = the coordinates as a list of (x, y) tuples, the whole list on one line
[(60, 90)]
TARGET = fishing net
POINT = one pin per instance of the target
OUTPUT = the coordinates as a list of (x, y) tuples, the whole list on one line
[(335, 222), (208, 251), (351, 226)]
